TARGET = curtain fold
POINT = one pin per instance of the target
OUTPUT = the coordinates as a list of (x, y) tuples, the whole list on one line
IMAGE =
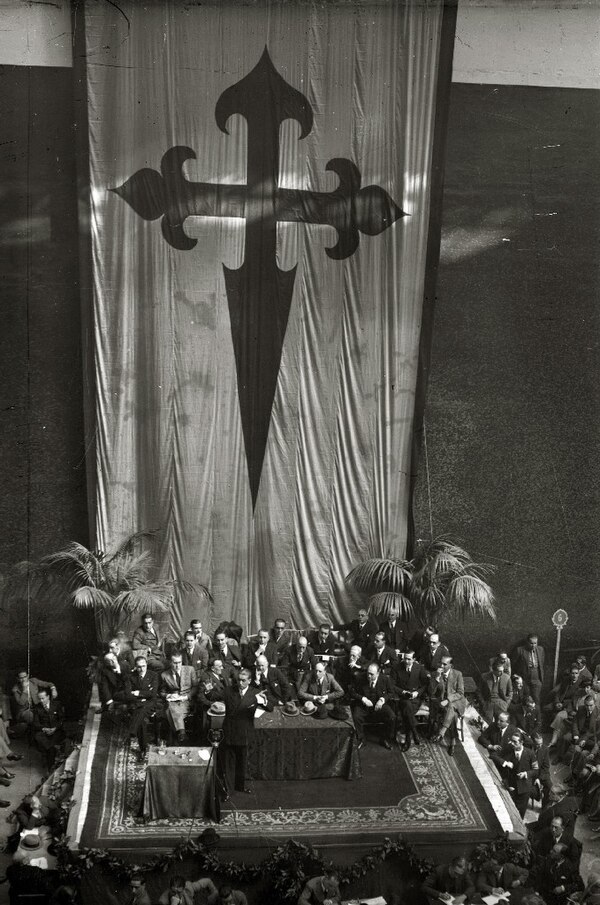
[(342, 106)]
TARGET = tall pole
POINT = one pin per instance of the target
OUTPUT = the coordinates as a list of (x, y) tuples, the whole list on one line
[(559, 620)]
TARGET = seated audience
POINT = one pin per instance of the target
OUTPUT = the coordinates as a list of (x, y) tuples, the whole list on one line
[(453, 703), (529, 719), (560, 804), (48, 729), (32, 813), (124, 657), (227, 896), (213, 682), (324, 888), (582, 733), (412, 683), (563, 702), (178, 686), (146, 640), (351, 667), (495, 691), (495, 879), (558, 877), (363, 628), (24, 698), (496, 739), (183, 892), (298, 660), (280, 638), (144, 694), (115, 684), (372, 702), (202, 639), (395, 633), (450, 881), (549, 836), (323, 642)]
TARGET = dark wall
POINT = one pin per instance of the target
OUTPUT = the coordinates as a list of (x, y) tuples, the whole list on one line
[(42, 466), (513, 406)]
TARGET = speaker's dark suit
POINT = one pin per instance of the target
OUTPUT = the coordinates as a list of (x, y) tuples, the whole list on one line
[(237, 729)]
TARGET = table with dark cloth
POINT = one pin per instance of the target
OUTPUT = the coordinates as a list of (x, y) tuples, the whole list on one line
[(302, 747), (179, 786)]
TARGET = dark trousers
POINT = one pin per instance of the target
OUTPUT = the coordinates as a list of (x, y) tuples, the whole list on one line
[(535, 686), (521, 800), (49, 745), (385, 717), (408, 710), (140, 719), (234, 760)]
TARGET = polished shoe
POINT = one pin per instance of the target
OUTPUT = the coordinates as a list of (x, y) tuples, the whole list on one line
[(4, 803), (386, 744), (451, 750), (15, 757), (7, 775)]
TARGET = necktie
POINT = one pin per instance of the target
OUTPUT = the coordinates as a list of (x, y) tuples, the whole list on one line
[(372, 683), (300, 656), (178, 679)]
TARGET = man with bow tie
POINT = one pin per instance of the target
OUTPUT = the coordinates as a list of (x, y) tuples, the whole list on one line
[(373, 697), (271, 680), (178, 686), (411, 681), (49, 734)]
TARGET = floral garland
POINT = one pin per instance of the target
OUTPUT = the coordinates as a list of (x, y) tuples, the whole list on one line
[(286, 869)]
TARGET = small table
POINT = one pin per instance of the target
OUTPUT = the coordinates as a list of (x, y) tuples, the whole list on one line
[(179, 783), (302, 747)]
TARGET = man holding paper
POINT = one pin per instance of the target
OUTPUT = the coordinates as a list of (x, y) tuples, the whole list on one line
[(451, 883), (241, 704)]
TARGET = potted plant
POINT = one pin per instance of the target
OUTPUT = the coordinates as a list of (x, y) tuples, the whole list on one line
[(440, 581), (117, 585)]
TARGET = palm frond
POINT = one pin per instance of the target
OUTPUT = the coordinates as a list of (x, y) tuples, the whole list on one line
[(76, 564), (127, 546), (376, 576), (439, 546), (151, 598), (90, 598), (439, 568), (481, 569), (128, 571), (388, 602), (469, 595)]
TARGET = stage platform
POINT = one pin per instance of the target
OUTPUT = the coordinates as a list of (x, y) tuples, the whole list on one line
[(439, 803)]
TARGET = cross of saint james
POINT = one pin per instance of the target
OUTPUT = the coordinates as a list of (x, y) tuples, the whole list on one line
[(259, 294)]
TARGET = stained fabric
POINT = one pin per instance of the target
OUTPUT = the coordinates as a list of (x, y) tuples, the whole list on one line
[(260, 211)]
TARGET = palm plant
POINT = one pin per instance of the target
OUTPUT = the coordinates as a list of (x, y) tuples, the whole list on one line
[(440, 581), (116, 585)]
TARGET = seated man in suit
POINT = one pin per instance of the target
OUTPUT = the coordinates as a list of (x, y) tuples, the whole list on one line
[(48, 730), (125, 657), (395, 633), (213, 682), (546, 838), (227, 650), (495, 691), (24, 697), (520, 694), (192, 654), (449, 882), (241, 702), (183, 892), (280, 638), (178, 686), (495, 879), (320, 686), (453, 703), (324, 888), (564, 700), (114, 686), (323, 643), (298, 660), (259, 647), (583, 733), (146, 640), (272, 681), (202, 639), (363, 628), (351, 669), (558, 876), (519, 770), (433, 653), (529, 719), (373, 697), (379, 652), (496, 739), (144, 692), (411, 681)]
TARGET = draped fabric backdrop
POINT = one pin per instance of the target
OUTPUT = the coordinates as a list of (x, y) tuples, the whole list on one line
[(274, 455)]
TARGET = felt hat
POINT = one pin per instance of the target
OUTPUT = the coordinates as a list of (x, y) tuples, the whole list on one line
[(308, 708), (290, 709), (217, 708), (31, 841), (321, 712), (339, 712)]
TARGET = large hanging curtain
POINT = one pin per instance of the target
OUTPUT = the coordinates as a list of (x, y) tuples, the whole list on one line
[(260, 190)]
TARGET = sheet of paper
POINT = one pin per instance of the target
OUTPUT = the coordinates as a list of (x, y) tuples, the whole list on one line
[(258, 713), (491, 900)]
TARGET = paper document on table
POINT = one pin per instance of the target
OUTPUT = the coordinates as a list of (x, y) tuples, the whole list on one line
[(258, 712), (491, 900), (203, 754)]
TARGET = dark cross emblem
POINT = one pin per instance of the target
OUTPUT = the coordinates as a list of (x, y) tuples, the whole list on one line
[(259, 294)]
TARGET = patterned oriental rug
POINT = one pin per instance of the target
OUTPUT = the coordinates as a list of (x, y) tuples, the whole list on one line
[(420, 794)]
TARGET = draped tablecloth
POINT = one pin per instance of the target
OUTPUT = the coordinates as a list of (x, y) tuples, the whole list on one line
[(302, 747), (179, 783)]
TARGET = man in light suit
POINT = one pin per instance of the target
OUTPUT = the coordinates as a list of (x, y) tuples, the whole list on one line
[(453, 703), (496, 691), (178, 686), (320, 686)]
